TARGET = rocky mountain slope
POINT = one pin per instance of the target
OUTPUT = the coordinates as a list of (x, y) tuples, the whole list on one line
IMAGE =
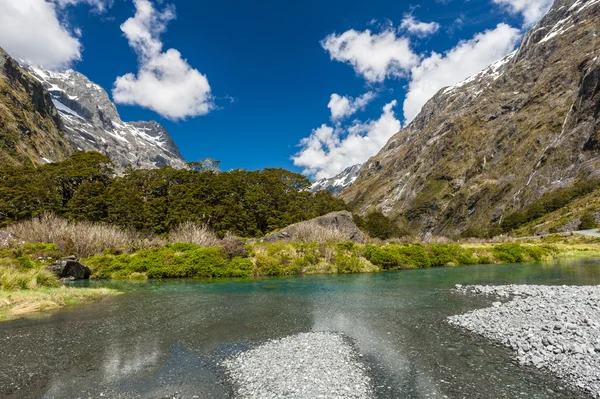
[(493, 144), (338, 183), (92, 123), (30, 126)]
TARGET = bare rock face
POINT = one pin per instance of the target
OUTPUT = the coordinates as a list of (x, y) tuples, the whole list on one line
[(341, 222), (338, 183), (92, 123), (70, 268), (31, 131), (491, 145)]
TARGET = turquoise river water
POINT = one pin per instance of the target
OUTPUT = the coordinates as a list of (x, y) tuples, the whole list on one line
[(167, 338)]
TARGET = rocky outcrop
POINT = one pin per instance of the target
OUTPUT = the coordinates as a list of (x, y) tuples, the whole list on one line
[(335, 226), (30, 126), (338, 183), (70, 268), (496, 142), (92, 123)]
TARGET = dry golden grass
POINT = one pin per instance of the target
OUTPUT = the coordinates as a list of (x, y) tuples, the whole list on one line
[(190, 232), (19, 303), (80, 238), (312, 232)]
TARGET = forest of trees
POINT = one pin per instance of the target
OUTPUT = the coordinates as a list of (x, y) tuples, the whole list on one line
[(84, 187)]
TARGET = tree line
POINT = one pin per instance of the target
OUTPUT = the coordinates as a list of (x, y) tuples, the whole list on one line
[(85, 187)]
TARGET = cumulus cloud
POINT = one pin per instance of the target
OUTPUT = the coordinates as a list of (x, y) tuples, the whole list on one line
[(418, 28), (375, 56), (330, 150), (343, 106), (165, 82), (531, 10), (466, 59), (30, 30)]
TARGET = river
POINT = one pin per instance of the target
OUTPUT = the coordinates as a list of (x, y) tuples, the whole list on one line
[(167, 338)]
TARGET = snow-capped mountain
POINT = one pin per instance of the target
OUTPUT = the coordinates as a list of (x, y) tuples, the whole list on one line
[(92, 123), (338, 183)]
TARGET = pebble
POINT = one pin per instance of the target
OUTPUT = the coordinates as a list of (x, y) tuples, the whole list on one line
[(555, 328), (308, 365)]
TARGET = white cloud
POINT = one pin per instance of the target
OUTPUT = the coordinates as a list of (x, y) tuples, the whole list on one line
[(466, 59), (328, 151), (418, 28), (343, 106), (374, 56), (165, 82), (30, 30), (98, 5), (531, 10)]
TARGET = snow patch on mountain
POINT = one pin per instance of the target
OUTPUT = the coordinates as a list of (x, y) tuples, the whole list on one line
[(338, 183), (92, 123)]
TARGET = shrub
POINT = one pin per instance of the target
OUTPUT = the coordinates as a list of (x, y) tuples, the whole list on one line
[(268, 266), (588, 222), (348, 264), (377, 225), (234, 247), (509, 253)]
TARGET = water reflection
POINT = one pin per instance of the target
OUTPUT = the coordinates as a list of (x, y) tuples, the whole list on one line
[(168, 337)]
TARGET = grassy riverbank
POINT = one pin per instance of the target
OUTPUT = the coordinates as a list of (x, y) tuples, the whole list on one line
[(15, 304), (26, 287), (278, 259)]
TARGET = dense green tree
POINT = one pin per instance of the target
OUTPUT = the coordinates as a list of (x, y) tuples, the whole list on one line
[(84, 187)]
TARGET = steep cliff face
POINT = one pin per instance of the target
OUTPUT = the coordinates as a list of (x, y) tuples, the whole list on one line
[(496, 142), (92, 123), (30, 127)]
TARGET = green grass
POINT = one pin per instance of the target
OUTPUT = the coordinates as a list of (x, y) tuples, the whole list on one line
[(293, 258)]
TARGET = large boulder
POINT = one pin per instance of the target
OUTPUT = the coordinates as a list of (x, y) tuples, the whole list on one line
[(335, 226), (70, 268)]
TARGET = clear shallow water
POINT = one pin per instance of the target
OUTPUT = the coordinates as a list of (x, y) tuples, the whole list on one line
[(167, 338)]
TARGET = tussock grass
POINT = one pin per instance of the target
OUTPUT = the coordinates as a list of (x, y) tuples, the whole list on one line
[(14, 279), (193, 233), (312, 232), (16, 304), (80, 238)]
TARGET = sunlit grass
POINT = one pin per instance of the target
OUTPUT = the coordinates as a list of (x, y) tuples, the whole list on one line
[(18, 303)]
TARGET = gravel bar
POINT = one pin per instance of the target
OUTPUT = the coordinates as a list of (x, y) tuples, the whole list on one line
[(308, 365), (554, 328)]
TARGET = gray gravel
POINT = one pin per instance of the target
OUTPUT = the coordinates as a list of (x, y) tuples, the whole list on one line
[(309, 365), (554, 328)]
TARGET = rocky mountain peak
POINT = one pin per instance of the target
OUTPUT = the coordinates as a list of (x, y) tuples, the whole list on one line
[(338, 183), (92, 123)]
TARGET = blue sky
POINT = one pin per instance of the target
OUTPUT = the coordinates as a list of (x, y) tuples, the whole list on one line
[(270, 70)]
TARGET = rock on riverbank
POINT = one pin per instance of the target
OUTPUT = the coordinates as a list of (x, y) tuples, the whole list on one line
[(309, 365), (556, 328)]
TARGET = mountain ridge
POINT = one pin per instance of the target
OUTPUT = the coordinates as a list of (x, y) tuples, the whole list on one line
[(92, 123), (31, 131), (496, 142)]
